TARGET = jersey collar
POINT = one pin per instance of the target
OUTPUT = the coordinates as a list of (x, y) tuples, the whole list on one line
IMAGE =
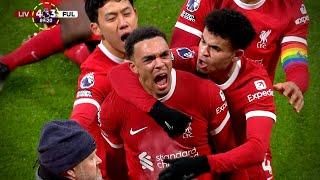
[(232, 78), (172, 87), (109, 54), (249, 6)]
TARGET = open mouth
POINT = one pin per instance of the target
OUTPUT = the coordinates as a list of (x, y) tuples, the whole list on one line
[(161, 81), (124, 36), (202, 64)]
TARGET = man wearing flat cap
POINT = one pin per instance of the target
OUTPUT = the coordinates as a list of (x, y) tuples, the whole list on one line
[(67, 151)]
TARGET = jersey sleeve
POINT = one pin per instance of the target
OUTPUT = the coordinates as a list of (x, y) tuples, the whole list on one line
[(260, 117), (260, 98), (128, 87), (111, 117), (219, 126), (111, 121), (185, 58), (190, 24), (294, 45), (91, 91)]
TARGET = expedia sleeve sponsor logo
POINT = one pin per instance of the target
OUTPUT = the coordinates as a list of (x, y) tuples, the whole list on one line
[(188, 16), (221, 108), (259, 95), (87, 81), (193, 5)]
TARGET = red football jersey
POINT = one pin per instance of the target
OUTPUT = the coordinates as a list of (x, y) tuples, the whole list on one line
[(249, 92), (273, 34), (145, 142), (93, 88)]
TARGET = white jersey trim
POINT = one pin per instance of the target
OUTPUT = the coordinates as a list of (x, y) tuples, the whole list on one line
[(261, 113), (88, 101), (295, 39), (188, 29), (232, 78), (249, 6), (172, 86), (221, 126), (109, 54), (116, 146)]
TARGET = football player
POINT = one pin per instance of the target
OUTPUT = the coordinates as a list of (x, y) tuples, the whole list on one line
[(284, 40), (247, 87)]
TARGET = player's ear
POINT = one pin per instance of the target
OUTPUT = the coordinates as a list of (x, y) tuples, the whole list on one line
[(132, 66), (95, 29), (238, 54), (70, 174)]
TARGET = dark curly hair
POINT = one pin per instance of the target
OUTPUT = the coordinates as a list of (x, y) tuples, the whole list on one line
[(231, 25), (92, 6), (141, 34)]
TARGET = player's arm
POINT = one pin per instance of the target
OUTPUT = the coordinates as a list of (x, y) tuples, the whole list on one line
[(185, 58), (86, 109), (111, 118), (223, 139), (294, 56), (190, 24)]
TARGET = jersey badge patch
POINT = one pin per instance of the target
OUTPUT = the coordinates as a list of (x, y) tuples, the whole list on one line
[(185, 53), (87, 81), (193, 5)]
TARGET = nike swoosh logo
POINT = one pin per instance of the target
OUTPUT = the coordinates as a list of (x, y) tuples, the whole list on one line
[(168, 125), (132, 132)]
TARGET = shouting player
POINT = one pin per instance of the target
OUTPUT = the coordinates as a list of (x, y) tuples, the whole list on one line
[(246, 85), (284, 40), (146, 144), (113, 20)]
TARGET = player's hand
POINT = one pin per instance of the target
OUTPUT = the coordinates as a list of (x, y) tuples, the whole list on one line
[(292, 91), (172, 121), (185, 168)]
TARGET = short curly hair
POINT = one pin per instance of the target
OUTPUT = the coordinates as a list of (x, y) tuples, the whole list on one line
[(141, 34), (92, 6), (231, 25)]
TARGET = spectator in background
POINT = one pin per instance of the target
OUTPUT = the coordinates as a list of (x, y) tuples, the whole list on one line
[(67, 151)]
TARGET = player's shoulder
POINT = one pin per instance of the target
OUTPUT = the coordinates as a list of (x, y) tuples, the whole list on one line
[(251, 69), (195, 84)]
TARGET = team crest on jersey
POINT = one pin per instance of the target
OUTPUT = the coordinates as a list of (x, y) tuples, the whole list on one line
[(262, 44), (304, 18), (188, 132), (185, 53), (260, 85), (87, 81), (193, 5)]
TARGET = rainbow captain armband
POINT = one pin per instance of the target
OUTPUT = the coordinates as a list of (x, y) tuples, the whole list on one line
[(294, 62), (294, 52)]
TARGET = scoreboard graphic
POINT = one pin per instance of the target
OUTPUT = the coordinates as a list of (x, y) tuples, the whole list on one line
[(45, 15)]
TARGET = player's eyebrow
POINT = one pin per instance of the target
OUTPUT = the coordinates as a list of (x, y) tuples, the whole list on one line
[(115, 12), (154, 56)]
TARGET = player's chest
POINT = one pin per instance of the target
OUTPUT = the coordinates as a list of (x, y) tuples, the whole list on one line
[(142, 132)]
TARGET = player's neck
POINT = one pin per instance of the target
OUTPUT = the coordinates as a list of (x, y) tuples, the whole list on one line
[(223, 76), (112, 50), (250, 1)]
